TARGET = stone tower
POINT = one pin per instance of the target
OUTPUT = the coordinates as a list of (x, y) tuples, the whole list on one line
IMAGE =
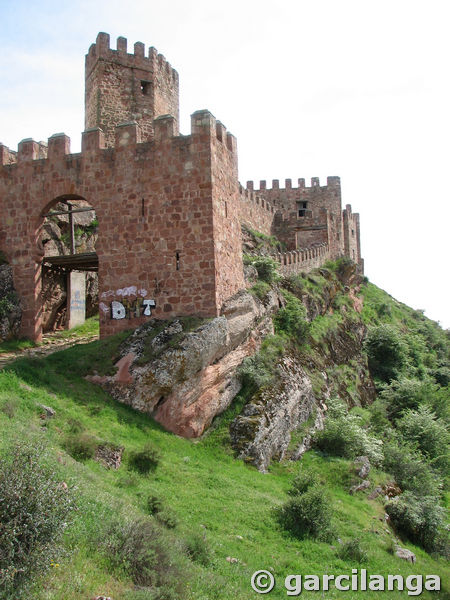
[(122, 87)]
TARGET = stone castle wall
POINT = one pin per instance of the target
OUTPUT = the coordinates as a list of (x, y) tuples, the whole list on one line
[(255, 211), (169, 206), (164, 234)]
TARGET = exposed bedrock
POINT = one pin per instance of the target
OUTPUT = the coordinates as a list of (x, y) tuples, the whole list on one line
[(185, 378), (262, 431)]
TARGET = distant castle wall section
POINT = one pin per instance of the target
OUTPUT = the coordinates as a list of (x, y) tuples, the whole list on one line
[(306, 215), (256, 212), (303, 261)]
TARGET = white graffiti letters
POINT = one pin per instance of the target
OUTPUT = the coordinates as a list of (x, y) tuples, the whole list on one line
[(131, 308)]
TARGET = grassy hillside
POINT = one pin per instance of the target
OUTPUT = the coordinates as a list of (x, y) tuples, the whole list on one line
[(214, 518)]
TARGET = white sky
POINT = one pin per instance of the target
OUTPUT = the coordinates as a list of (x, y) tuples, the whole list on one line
[(353, 88)]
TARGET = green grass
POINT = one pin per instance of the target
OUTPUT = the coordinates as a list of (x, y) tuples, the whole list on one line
[(16, 345), (89, 328), (209, 492), (206, 488)]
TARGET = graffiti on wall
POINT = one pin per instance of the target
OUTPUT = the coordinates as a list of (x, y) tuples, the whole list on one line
[(130, 306)]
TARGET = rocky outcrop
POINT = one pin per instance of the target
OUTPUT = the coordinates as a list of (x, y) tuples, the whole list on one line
[(262, 431), (185, 378), (10, 310), (294, 406)]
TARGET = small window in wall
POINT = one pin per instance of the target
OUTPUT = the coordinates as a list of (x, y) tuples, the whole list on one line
[(353, 232), (301, 208), (353, 254), (145, 87)]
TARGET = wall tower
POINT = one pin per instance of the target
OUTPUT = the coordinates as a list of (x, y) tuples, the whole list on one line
[(122, 87)]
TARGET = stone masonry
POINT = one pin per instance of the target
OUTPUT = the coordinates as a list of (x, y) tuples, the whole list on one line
[(169, 206)]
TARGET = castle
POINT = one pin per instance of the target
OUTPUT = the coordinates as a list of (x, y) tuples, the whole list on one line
[(169, 206)]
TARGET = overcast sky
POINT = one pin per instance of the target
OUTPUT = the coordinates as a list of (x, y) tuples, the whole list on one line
[(353, 88)]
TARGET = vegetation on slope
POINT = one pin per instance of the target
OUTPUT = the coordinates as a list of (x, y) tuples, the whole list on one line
[(198, 522)]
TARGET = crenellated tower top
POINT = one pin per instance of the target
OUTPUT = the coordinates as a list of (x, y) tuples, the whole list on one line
[(123, 87)]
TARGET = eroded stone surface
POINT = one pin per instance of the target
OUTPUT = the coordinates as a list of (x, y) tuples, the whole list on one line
[(190, 377)]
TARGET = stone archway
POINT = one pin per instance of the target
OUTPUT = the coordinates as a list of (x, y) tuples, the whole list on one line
[(67, 238)]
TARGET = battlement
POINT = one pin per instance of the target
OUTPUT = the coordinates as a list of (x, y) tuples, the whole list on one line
[(332, 181), (256, 199), (303, 259), (204, 127), (154, 62)]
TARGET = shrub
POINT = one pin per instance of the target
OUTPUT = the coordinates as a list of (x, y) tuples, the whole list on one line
[(295, 284), (386, 351), (259, 370), (75, 425), (405, 394), (421, 520), (352, 551), (266, 267), (137, 548), (410, 471), (34, 512), (167, 518), (81, 446), (9, 408), (154, 505), (421, 428), (144, 460), (308, 514), (197, 549), (127, 480), (260, 289), (303, 482), (344, 436), (292, 319)]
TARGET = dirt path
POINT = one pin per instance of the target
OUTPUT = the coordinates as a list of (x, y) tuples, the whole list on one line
[(50, 343)]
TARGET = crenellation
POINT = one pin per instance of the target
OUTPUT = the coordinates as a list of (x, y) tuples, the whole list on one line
[(28, 150), (121, 45), (102, 44), (333, 180), (231, 143), (139, 50), (221, 132), (92, 140), (7, 156), (58, 146), (127, 134), (164, 127)]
